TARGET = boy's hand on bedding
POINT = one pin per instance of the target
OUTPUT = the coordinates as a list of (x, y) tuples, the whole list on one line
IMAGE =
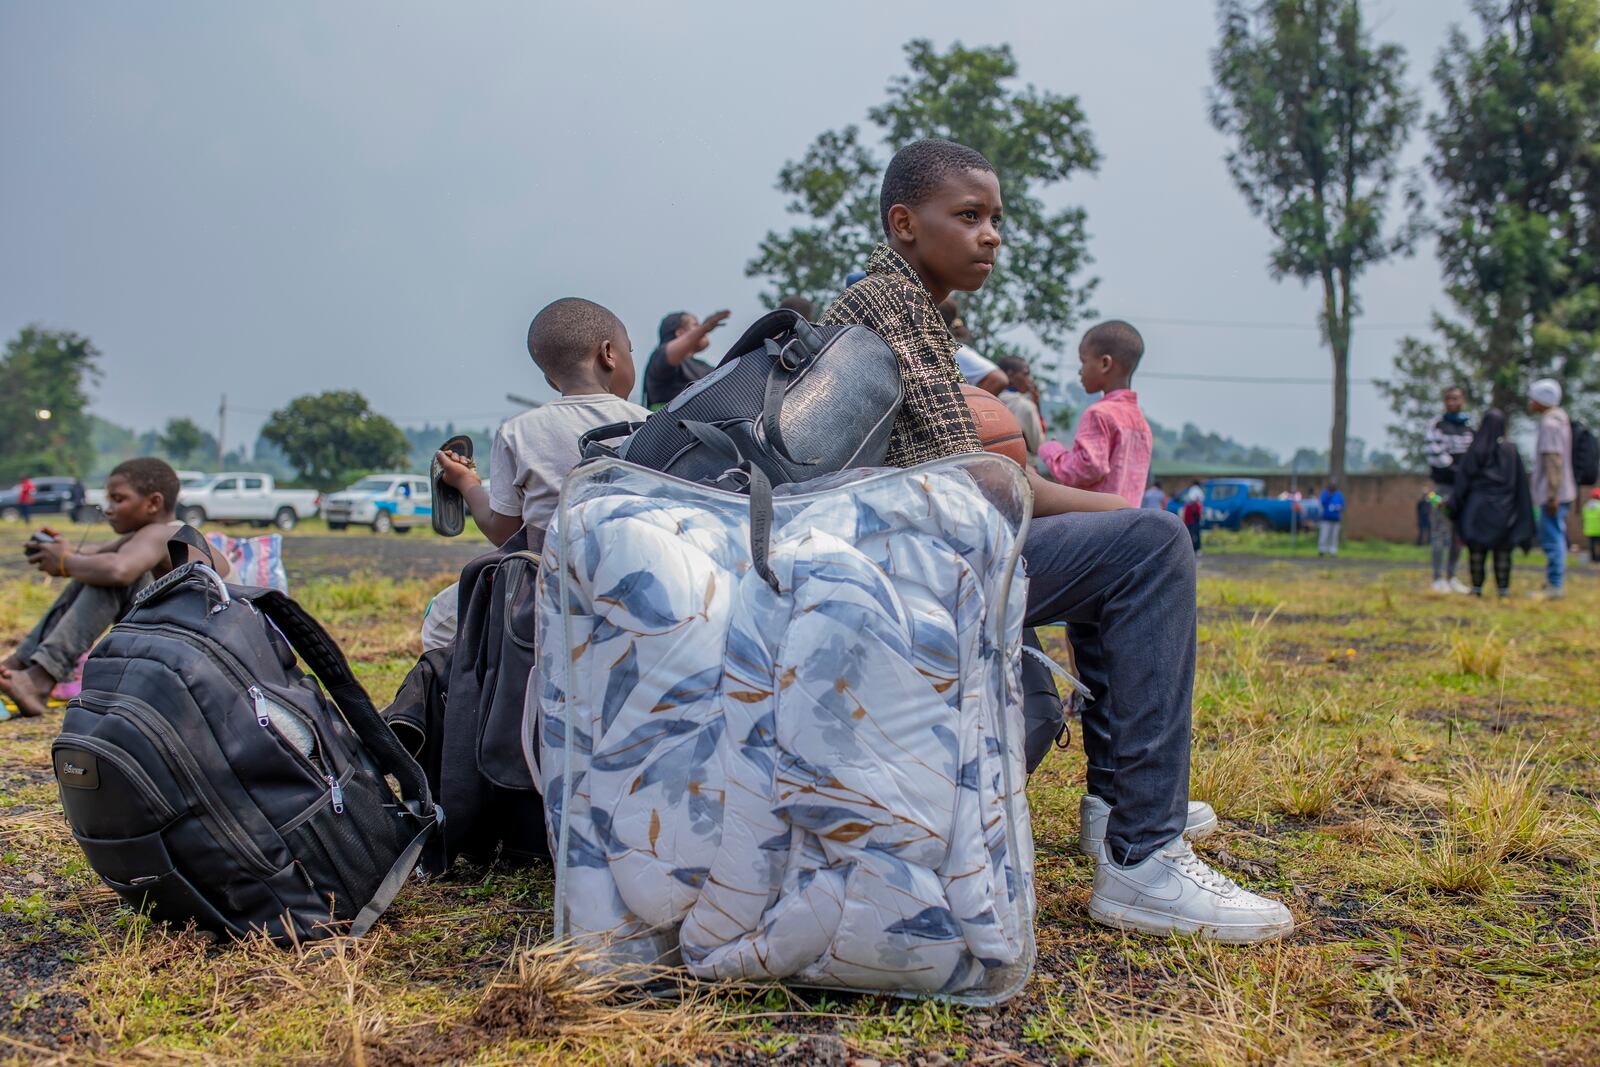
[(458, 473)]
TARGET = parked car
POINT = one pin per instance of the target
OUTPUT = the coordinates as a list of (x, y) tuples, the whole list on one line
[(1242, 504), (246, 496), (382, 501), (94, 497), (51, 496)]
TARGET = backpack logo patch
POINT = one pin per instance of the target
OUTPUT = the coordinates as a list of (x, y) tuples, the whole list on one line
[(76, 769)]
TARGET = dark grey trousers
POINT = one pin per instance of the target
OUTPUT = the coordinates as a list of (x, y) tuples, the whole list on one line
[(74, 623), (1124, 582)]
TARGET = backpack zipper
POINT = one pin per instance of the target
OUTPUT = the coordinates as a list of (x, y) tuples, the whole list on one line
[(264, 720), (231, 666), (148, 721)]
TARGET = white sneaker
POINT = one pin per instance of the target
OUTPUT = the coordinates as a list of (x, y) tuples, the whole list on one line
[(1093, 812), (1174, 892), (1456, 585), (1441, 586)]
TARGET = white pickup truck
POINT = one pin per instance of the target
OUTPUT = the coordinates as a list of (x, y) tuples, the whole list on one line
[(245, 496)]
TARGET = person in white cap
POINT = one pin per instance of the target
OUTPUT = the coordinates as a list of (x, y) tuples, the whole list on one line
[(1554, 486)]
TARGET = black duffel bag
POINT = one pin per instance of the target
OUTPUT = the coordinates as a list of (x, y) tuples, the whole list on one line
[(790, 401), (206, 776)]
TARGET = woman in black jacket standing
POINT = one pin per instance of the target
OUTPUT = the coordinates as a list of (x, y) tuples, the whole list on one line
[(1492, 506)]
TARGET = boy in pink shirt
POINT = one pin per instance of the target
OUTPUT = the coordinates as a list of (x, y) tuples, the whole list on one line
[(1111, 450)]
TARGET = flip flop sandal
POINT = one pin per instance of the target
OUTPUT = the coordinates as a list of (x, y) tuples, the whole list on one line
[(449, 506)]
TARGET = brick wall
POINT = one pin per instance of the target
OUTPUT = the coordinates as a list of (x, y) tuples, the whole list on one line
[(1377, 506)]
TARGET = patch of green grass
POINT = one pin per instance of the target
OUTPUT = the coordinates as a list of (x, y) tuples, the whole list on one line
[(1288, 546), (1432, 827)]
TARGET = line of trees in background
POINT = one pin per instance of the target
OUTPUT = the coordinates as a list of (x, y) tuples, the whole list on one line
[(329, 440)]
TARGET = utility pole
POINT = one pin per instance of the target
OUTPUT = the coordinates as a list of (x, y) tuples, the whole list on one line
[(222, 428)]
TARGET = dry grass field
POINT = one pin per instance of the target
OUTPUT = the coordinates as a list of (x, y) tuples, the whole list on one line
[(1415, 775)]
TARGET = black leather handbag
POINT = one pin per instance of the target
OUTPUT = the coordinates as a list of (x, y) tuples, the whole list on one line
[(790, 401)]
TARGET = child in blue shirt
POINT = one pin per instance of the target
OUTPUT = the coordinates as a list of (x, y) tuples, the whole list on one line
[(1332, 516)]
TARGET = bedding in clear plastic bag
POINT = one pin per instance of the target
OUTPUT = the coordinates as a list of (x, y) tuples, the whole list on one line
[(821, 787)]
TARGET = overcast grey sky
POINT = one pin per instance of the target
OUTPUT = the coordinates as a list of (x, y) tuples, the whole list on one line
[(273, 199)]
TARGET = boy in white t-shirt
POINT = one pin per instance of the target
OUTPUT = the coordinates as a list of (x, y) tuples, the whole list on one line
[(585, 353)]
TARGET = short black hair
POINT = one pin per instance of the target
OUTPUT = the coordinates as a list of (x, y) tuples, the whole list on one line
[(1013, 365), (1118, 340), (147, 476), (670, 324), (566, 332), (800, 305), (918, 168)]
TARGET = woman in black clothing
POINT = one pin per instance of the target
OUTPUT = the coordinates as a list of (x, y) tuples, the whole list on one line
[(1491, 506)]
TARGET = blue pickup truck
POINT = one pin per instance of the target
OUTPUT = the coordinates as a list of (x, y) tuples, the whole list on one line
[(1242, 504)]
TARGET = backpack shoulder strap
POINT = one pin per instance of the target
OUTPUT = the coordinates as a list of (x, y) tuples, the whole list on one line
[(313, 644)]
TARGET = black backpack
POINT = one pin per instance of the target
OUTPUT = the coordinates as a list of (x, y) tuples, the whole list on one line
[(459, 711), (789, 402), (1585, 455), (204, 774)]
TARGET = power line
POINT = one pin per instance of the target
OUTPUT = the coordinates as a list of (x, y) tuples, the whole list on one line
[(1246, 379), (1241, 324), (498, 413)]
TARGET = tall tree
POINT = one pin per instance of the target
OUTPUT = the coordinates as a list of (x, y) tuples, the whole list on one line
[(1318, 114), (1516, 157), (1034, 138), (45, 428), (183, 441), (332, 436)]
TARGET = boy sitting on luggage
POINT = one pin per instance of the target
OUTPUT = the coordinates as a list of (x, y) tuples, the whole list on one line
[(584, 352), (1091, 560), (141, 497)]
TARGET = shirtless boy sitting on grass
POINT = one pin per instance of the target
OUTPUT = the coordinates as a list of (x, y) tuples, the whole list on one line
[(141, 497)]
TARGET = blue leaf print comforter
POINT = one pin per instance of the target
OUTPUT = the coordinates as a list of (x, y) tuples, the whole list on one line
[(822, 786)]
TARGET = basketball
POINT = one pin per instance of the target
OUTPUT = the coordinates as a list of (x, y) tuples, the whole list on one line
[(998, 430)]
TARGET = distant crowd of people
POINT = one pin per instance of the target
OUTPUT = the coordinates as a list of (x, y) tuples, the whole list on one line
[(1483, 498)]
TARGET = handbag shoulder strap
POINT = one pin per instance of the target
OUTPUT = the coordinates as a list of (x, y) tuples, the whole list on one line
[(758, 485), (183, 540)]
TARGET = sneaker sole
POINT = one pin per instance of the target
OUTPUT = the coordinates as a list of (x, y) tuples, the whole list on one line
[(1161, 925)]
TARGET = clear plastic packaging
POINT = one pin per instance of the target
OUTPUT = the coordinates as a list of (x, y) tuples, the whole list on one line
[(820, 787)]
